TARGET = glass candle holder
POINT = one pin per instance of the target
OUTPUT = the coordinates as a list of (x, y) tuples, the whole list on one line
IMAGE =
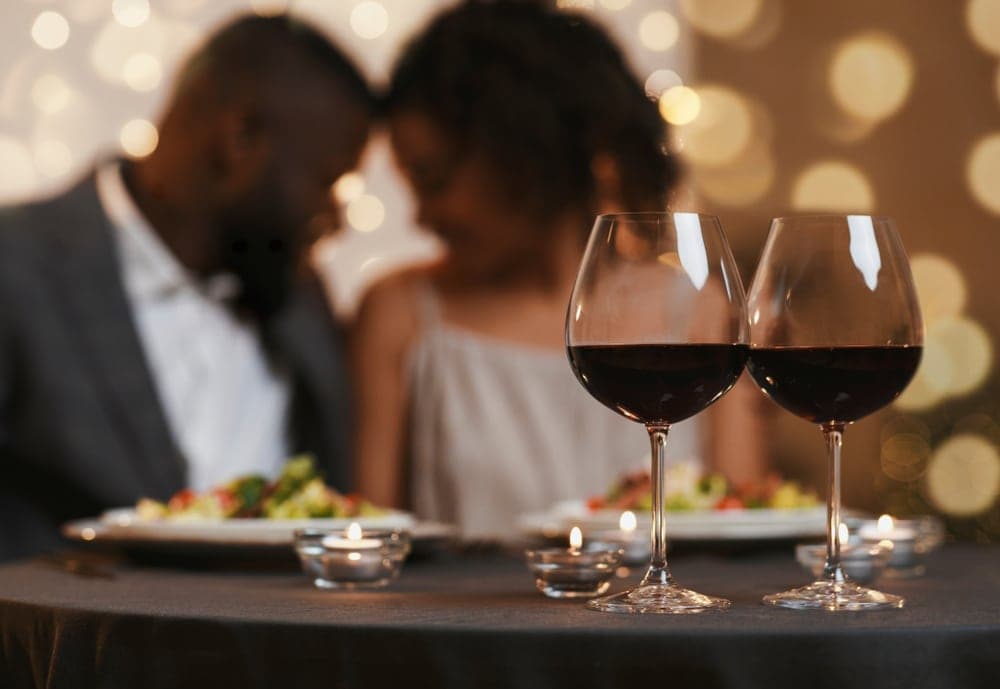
[(356, 559), (574, 572), (863, 562), (633, 540), (909, 540)]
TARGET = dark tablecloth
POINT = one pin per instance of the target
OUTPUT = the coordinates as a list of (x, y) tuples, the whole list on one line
[(480, 623)]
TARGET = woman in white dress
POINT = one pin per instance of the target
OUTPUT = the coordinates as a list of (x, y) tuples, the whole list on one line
[(514, 125)]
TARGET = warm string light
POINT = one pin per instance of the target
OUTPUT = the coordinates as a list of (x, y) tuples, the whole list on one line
[(660, 81), (725, 19), (365, 213), (130, 13), (870, 77), (659, 31), (958, 352), (834, 186), (142, 72), (50, 30), (680, 105), (350, 186), (982, 18), (982, 172), (369, 19), (139, 138), (963, 475)]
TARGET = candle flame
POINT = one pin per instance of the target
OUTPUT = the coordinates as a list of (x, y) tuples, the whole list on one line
[(575, 537), (628, 521), (354, 532), (844, 532), (885, 524)]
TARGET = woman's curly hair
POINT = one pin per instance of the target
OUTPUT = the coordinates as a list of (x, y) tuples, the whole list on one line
[(540, 94)]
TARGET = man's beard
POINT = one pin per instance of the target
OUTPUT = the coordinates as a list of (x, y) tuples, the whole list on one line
[(258, 254)]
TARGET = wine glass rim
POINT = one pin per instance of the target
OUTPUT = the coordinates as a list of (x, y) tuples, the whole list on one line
[(648, 216), (816, 217)]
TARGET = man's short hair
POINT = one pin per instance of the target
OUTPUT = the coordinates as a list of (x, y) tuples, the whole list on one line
[(253, 52)]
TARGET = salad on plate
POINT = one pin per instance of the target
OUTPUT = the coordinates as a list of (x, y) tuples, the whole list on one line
[(298, 493), (688, 489)]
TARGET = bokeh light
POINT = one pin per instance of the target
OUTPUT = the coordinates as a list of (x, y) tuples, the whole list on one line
[(957, 359), (50, 93), (142, 72), (50, 30), (832, 186), (904, 456), (139, 138), (130, 13), (982, 172), (369, 19), (615, 4), (905, 424), (53, 159), (365, 213), (115, 45), (982, 17), (743, 181), (967, 348), (721, 18), (17, 171), (659, 31), (963, 475), (679, 105), (721, 130), (940, 286), (660, 81), (871, 76), (350, 186)]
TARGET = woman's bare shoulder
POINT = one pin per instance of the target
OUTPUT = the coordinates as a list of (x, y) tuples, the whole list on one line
[(390, 309)]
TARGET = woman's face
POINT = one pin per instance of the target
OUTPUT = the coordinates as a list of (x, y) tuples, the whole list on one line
[(461, 199)]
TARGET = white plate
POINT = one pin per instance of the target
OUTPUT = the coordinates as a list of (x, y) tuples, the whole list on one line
[(123, 526), (694, 525)]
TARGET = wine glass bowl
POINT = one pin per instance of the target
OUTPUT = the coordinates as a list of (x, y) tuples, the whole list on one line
[(656, 330), (835, 335)]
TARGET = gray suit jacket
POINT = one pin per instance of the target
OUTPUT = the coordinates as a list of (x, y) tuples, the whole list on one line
[(81, 426)]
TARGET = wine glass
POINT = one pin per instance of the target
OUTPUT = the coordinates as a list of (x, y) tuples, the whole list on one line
[(656, 330), (835, 334)]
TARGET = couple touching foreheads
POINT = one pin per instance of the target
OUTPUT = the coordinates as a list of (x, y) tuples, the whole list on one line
[(160, 326)]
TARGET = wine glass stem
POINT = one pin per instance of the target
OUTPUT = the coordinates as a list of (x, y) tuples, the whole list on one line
[(834, 434), (658, 572)]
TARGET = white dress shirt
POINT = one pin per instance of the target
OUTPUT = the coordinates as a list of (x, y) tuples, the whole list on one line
[(226, 406)]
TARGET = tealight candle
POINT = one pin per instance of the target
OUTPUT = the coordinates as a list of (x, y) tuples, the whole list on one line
[(354, 559), (353, 540), (574, 572), (901, 538)]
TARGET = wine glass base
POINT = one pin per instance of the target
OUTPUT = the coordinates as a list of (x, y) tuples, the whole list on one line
[(662, 599), (834, 596)]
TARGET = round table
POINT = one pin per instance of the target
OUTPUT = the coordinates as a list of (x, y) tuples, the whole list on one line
[(478, 622)]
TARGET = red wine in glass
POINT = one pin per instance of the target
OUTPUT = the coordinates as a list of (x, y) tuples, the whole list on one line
[(834, 384), (657, 330), (835, 335), (658, 384)]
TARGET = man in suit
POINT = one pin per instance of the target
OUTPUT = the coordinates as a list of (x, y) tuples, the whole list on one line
[(159, 328)]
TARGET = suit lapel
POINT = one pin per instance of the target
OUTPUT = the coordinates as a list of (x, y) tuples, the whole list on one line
[(87, 273), (306, 337)]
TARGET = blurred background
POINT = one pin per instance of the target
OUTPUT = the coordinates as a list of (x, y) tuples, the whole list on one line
[(777, 106)]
